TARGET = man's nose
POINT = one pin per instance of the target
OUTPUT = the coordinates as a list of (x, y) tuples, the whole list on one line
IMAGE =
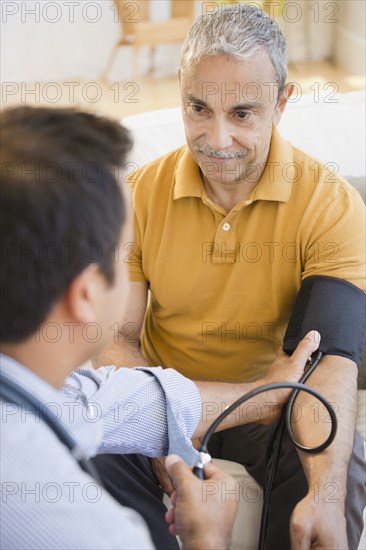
[(219, 134)]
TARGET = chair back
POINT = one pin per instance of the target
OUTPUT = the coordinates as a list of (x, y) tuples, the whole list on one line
[(130, 14), (182, 8)]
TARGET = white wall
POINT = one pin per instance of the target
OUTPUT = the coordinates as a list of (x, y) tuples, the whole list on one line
[(56, 40), (49, 40), (309, 28), (349, 51)]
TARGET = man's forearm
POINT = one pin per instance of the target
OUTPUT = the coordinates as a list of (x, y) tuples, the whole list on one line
[(326, 472), (217, 396), (265, 407), (119, 354)]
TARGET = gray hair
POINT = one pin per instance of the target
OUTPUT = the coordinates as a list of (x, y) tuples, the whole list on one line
[(238, 31)]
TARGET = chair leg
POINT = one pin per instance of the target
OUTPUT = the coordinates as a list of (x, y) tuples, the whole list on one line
[(107, 70), (151, 68)]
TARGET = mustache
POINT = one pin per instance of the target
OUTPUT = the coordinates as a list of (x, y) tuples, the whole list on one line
[(219, 153)]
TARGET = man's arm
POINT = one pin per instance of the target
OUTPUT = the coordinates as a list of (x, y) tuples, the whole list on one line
[(319, 519), (125, 351), (167, 407), (216, 396), (340, 221)]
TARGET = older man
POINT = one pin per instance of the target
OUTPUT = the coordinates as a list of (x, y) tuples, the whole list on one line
[(227, 228)]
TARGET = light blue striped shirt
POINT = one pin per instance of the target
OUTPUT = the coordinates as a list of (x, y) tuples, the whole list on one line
[(47, 501)]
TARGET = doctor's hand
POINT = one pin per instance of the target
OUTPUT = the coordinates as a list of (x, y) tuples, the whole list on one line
[(203, 512), (158, 466)]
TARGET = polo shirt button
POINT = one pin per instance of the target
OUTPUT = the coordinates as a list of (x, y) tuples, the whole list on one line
[(226, 226)]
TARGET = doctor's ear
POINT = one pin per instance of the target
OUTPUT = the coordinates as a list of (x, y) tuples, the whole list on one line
[(84, 294), (282, 102)]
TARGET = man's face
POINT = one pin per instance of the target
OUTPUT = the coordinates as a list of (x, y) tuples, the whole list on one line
[(229, 107)]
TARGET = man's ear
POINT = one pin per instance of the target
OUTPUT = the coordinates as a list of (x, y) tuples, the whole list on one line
[(83, 295), (282, 102)]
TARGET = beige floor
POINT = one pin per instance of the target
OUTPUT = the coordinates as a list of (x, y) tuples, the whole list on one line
[(119, 99)]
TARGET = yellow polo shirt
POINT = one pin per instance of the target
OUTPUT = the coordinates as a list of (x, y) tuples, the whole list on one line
[(223, 284)]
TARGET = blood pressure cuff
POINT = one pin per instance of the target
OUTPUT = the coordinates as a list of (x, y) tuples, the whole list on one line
[(336, 309)]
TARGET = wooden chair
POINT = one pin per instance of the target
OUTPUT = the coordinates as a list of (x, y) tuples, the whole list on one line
[(138, 30)]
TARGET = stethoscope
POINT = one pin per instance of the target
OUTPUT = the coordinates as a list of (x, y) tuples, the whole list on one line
[(14, 393)]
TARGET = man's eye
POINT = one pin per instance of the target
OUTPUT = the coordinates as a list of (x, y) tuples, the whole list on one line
[(241, 114), (196, 108)]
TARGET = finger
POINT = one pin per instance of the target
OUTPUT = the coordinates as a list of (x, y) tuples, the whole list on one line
[(169, 516), (212, 470), (177, 469), (173, 529), (215, 473), (173, 498), (171, 459), (158, 466), (166, 484), (306, 346)]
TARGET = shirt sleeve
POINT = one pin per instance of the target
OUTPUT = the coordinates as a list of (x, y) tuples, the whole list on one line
[(150, 411), (134, 253), (134, 259), (335, 239)]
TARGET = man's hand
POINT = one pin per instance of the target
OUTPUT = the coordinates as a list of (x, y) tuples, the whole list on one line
[(216, 395), (158, 466), (291, 368), (318, 525), (203, 512), (286, 369)]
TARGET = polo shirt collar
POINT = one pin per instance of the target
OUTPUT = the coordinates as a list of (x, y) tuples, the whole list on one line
[(274, 185), (279, 174), (188, 181)]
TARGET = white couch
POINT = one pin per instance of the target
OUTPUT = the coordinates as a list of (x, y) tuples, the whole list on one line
[(333, 132), (332, 129)]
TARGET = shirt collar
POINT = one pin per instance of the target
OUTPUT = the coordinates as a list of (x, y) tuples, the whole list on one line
[(274, 185), (25, 378), (188, 181), (87, 434)]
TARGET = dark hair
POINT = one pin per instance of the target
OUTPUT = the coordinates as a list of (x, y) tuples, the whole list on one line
[(62, 207)]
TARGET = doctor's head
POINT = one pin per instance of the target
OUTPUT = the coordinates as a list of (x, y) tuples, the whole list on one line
[(64, 218)]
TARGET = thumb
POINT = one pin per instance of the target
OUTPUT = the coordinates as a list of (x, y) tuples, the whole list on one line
[(176, 468), (307, 346)]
